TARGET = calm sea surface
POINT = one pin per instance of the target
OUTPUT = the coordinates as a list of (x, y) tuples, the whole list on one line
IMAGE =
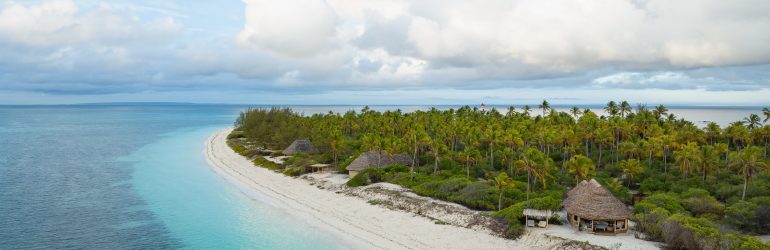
[(134, 177)]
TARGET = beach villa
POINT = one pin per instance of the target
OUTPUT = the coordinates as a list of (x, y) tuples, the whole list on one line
[(376, 159), (299, 146), (591, 207)]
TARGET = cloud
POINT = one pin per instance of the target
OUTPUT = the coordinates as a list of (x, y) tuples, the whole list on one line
[(293, 28), (671, 81), (54, 23), (514, 40), (339, 45)]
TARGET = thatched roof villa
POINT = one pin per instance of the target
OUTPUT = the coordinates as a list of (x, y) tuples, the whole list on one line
[(299, 146), (376, 159), (593, 208)]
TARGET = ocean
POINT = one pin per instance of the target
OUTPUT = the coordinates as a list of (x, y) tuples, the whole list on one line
[(131, 176)]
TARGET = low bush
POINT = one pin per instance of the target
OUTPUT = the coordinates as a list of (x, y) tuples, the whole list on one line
[(669, 202), (262, 162), (292, 171)]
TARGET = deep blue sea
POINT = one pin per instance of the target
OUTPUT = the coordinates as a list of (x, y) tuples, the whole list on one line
[(134, 177)]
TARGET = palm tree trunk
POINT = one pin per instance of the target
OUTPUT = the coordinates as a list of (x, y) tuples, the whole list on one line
[(414, 159), (745, 186), (467, 166), (528, 183), (727, 160), (649, 163), (600, 155), (665, 160), (492, 156), (500, 200), (435, 162)]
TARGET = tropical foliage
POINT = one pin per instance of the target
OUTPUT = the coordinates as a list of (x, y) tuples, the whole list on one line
[(488, 160)]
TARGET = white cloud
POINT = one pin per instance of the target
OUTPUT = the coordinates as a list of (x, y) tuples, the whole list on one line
[(293, 28), (61, 23), (310, 45), (671, 80), (511, 40)]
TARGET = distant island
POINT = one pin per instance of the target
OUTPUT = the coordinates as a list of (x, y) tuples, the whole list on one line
[(636, 173)]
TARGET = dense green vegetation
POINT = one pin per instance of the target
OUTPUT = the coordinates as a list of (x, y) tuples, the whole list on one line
[(712, 181)]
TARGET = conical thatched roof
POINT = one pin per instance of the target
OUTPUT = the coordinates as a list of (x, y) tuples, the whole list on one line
[(369, 160), (590, 200), (299, 146)]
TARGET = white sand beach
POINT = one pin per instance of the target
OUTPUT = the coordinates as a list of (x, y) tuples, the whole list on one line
[(360, 225)]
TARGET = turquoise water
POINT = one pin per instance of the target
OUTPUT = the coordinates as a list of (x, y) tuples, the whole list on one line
[(202, 209), (134, 177), (129, 177)]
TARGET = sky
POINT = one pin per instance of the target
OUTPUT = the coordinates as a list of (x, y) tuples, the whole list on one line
[(676, 52)]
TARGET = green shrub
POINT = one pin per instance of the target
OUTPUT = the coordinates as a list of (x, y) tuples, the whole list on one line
[(742, 215), (262, 162), (652, 185), (666, 201), (704, 205), (649, 223), (361, 179), (699, 202), (292, 171), (235, 134)]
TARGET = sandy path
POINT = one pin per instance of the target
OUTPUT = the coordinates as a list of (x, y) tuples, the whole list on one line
[(356, 223)]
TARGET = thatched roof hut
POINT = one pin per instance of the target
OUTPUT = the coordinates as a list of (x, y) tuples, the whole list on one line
[(376, 159), (299, 146), (591, 200), (531, 215)]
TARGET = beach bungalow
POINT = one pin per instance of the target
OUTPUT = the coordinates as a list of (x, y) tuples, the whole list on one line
[(591, 207), (299, 146), (320, 168), (376, 159), (535, 217)]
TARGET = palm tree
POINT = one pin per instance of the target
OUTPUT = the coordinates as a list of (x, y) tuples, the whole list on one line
[(534, 162), (525, 110), (337, 144), (687, 157), (575, 111), (631, 168), (625, 108), (492, 135), (660, 111), (748, 161), (722, 149), (438, 147), (511, 111), (502, 181), (766, 112), (582, 167), (713, 131), (752, 121), (709, 159), (545, 106), (611, 108)]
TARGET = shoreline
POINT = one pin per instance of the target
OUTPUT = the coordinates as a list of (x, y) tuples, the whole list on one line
[(354, 222)]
